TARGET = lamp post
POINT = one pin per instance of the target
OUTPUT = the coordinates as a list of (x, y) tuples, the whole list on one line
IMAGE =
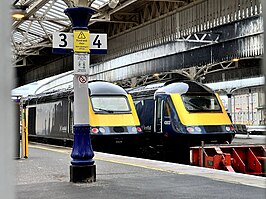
[(82, 168)]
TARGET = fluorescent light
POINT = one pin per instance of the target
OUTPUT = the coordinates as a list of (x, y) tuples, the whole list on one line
[(18, 14), (235, 59)]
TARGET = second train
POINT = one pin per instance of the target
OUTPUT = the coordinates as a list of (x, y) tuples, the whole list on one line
[(176, 115)]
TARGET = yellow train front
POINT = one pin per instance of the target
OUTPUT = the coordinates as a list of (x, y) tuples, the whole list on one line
[(112, 116), (177, 115)]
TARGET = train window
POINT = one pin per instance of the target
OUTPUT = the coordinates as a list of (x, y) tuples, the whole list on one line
[(110, 104), (166, 110), (201, 103)]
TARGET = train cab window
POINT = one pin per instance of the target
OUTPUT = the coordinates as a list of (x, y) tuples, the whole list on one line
[(166, 113), (110, 104), (201, 103)]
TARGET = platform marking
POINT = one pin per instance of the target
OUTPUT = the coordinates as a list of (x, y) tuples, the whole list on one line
[(138, 165), (49, 149), (106, 159), (213, 174)]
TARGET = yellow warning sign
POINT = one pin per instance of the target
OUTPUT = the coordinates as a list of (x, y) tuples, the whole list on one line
[(81, 41)]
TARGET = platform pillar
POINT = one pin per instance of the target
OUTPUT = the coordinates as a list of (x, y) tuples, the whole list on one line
[(229, 95), (17, 134), (82, 168)]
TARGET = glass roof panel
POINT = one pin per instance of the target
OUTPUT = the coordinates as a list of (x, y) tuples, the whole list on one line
[(44, 18)]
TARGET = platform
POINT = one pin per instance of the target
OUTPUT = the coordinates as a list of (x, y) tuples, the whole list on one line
[(45, 175)]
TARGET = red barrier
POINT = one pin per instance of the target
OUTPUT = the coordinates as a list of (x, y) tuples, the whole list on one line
[(242, 159)]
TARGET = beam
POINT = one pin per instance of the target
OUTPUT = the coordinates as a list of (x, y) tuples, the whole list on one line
[(35, 7)]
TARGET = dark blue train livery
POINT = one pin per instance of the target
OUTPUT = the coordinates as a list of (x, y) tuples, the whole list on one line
[(179, 114)]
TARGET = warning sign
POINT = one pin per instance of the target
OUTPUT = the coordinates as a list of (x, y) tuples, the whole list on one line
[(81, 41)]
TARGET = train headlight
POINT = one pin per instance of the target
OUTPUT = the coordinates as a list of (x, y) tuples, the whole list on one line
[(194, 129), (190, 129), (227, 128), (198, 129), (134, 129), (139, 129), (102, 130), (94, 130)]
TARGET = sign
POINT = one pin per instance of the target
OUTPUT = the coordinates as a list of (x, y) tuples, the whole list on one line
[(98, 43), (63, 43), (82, 79), (81, 63), (81, 41)]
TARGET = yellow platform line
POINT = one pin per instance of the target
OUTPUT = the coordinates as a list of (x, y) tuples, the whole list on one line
[(224, 176), (67, 151)]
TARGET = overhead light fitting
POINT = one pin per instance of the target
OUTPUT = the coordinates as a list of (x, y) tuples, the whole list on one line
[(235, 59), (113, 3), (18, 11), (18, 14)]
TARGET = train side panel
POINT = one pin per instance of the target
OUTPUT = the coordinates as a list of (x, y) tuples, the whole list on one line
[(49, 119)]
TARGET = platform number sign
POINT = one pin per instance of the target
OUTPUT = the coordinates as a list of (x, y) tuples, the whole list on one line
[(97, 41), (63, 40), (63, 43)]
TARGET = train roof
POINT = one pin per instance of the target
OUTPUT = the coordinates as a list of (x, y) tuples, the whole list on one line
[(95, 88), (48, 96), (173, 86), (105, 88), (184, 87)]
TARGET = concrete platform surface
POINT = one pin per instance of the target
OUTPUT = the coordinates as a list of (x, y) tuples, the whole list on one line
[(45, 175)]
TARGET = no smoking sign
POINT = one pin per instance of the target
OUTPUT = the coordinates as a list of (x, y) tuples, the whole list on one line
[(82, 79)]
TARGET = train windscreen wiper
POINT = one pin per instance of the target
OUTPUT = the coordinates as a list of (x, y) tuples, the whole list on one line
[(195, 106), (105, 110)]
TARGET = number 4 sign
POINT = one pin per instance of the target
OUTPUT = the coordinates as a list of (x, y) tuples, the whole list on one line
[(63, 43), (98, 43)]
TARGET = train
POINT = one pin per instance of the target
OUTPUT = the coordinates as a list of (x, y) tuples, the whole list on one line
[(179, 114), (112, 116)]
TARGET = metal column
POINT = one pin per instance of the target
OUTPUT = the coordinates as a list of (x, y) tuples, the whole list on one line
[(7, 121), (82, 168)]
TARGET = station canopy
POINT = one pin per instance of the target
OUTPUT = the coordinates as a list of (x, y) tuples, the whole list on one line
[(31, 36), (43, 17)]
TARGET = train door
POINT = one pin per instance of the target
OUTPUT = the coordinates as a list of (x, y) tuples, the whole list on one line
[(166, 119), (158, 121), (32, 120), (71, 116)]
